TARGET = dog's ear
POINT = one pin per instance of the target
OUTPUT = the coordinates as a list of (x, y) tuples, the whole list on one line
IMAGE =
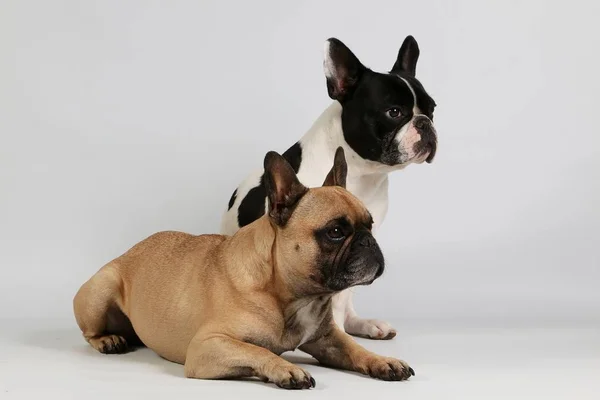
[(337, 175), (282, 186), (342, 69), (407, 57)]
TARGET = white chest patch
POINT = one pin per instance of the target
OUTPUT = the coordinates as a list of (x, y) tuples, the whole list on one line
[(309, 318), (308, 323)]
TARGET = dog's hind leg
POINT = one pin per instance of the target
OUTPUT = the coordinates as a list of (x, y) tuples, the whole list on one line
[(97, 311)]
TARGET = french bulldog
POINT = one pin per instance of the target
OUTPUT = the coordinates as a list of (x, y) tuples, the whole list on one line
[(228, 306), (383, 121)]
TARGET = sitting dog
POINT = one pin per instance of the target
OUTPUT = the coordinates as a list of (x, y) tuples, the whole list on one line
[(383, 122), (228, 306)]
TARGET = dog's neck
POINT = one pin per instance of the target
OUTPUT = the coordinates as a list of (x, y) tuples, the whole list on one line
[(326, 135), (255, 242), (258, 268)]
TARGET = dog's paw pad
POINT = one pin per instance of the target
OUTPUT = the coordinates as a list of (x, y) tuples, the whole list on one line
[(110, 344)]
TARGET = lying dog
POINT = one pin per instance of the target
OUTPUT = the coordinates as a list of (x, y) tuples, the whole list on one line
[(384, 123), (227, 306)]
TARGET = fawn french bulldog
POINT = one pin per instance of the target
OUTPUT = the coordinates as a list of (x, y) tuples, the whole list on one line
[(228, 306)]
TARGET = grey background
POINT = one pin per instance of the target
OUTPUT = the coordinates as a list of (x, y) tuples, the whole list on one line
[(119, 119)]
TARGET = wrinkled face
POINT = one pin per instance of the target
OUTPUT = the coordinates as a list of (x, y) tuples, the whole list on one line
[(389, 119), (386, 117), (327, 242)]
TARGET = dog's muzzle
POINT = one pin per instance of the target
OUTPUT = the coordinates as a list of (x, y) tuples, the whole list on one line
[(365, 262), (428, 142)]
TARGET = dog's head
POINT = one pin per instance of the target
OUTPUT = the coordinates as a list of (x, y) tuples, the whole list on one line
[(323, 239), (386, 117)]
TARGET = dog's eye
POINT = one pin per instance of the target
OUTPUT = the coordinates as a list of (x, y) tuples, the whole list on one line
[(335, 234), (393, 112)]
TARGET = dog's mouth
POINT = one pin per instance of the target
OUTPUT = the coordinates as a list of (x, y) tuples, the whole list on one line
[(425, 153), (358, 262), (421, 157), (431, 154)]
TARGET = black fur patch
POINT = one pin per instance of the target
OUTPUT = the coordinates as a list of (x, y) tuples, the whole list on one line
[(425, 103), (293, 155), (252, 206), (232, 199)]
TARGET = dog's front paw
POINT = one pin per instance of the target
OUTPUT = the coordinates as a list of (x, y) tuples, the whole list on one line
[(369, 328), (291, 377), (388, 369)]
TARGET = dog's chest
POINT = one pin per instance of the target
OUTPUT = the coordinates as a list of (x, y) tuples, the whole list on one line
[(305, 321)]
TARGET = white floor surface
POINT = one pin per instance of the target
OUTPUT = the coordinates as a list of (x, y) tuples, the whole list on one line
[(38, 362)]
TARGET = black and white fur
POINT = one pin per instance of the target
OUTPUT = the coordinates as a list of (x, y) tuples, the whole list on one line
[(384, 123)]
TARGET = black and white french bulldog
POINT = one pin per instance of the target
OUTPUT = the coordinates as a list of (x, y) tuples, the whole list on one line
[(384, 123)]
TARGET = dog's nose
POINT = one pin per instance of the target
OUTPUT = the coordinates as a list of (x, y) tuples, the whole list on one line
[(425, 128), (367, 240), (422, 122)]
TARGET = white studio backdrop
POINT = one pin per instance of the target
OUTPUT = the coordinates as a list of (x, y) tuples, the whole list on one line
[(119, 119)]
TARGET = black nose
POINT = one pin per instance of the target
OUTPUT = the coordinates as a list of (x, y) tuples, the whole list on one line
[(422, 122), (367, 240), (425, 129)]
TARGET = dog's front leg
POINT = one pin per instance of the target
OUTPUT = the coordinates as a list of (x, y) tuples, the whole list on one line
[(347, 319), (220, 356), (338, 350)]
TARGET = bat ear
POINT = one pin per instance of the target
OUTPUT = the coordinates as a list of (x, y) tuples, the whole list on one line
[(342, 69), (284, 190), (408, 55), (339, 171)]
